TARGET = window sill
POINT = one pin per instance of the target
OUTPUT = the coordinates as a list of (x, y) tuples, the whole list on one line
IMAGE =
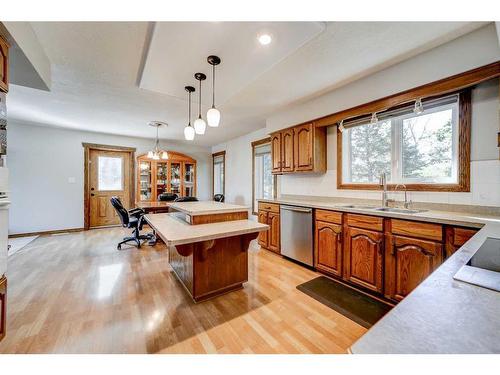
[(409, 187)]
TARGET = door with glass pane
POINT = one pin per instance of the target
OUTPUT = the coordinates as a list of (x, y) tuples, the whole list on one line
[(175, 178), (145, 181), (109, 176), (161, 178)]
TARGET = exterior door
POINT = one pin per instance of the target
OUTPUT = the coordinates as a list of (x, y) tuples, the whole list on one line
[(364, 257), (287, 150), (276, 152), (109, 175), (303, 147)]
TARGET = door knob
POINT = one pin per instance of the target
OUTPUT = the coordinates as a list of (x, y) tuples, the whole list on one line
[(92, 189), (92, 195)]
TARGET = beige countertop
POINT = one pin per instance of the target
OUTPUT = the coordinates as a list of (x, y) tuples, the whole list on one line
[(174, 230), (207, 207), (441, 315)]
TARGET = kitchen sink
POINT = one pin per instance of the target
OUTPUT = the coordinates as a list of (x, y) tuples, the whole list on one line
[(360, 207), (399, 210)]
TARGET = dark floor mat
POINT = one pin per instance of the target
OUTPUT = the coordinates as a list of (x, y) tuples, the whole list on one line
[(356, 306)]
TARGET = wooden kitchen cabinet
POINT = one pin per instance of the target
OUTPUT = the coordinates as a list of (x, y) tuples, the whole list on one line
[(269, 214), (276, 152), (408, 262), (301, 148), (456, 237), (4, 65), (287, 151), (364, 256), (328, 248)]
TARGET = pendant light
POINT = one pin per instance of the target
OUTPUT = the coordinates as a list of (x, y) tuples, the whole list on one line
[(213, 114), (189, 130), (199, 124), (156, 153)]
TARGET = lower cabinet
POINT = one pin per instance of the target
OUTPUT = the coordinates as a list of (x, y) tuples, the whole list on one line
[(328, 247), (364, 258), (3, 306), (408, 262), (456, 237), (270, 239)]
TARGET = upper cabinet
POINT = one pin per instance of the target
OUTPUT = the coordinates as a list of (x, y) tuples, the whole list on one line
[(301, 148), (4, 65)]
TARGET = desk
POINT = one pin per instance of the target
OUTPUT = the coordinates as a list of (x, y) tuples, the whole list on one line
[(154, 207), (209, 259)]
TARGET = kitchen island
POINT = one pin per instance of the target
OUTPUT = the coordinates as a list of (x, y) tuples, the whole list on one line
[(208, 245)]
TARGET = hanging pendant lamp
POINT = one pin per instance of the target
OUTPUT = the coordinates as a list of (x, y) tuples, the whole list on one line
[(189, 130), (156, 153), (213, 114), (200, 124)]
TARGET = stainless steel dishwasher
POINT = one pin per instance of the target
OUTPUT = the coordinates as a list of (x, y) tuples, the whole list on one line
[(297, 233)]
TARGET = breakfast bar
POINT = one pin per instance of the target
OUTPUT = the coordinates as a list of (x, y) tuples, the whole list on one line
[(208, 245)]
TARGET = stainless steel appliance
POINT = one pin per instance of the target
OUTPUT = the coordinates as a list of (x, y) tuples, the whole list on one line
[(296, 229)]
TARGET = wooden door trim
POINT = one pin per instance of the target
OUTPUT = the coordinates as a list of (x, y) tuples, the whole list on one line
[(86, 175), (214, 155)]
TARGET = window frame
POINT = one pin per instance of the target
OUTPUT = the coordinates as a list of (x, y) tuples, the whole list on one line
[(463, 164), (214, 155), (275, 177)]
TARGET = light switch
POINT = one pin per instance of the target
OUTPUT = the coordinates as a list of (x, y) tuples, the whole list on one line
[(71, 180)]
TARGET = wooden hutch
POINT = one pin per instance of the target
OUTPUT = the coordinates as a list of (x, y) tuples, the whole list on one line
[(177, 174)]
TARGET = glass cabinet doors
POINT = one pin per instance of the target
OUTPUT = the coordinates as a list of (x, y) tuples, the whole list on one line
[(176, 175), (145, 187)]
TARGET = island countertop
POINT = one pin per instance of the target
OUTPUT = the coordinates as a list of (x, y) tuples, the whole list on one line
[(442, 315), (174, 230), (207, 208)]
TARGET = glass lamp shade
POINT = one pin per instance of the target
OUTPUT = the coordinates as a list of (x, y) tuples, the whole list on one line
[(164, 155), (200, 126), (156, 156), (150, 154), (213, 117), (189, 133)]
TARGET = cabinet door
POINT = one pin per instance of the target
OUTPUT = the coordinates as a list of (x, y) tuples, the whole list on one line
[(273, 241), (262, 218), (276, 152), (456, 237), (4, 66), (364, 258), (303, 147), (287, 151), (328, 242), (409, 262)]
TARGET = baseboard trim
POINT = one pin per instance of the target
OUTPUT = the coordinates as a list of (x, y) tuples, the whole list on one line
[(47, 232)]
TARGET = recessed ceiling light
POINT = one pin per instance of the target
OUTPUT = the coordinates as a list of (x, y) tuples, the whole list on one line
[(264, 39)]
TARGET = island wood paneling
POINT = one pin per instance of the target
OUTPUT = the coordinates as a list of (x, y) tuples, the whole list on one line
[(217, 218)]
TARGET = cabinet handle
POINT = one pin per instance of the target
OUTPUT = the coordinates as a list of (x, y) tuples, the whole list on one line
[(393, 249)]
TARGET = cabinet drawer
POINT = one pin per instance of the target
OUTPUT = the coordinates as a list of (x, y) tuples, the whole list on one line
[(329, 216), (417, 229), (462, 235), (271, 207), (365, 222)]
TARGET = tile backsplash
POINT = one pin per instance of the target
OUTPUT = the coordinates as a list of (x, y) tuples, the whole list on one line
[(485, 187)]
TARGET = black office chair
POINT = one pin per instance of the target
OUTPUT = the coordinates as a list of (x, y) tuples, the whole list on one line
[(219, 197), (131, 219), (167, 197), (186, 199)]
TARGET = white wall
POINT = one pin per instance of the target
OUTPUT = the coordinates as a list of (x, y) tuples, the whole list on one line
[(239, 167), (41, 159), (475, 49)]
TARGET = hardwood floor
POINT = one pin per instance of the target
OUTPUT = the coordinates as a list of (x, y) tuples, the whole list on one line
[(76, 293)]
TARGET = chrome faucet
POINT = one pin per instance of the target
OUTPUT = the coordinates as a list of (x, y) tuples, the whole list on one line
[(407, 202), (383, 183)]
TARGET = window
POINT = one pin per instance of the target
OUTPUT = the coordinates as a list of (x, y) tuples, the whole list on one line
[(264, 183), (421, 150), (110, 173), (219, 164)]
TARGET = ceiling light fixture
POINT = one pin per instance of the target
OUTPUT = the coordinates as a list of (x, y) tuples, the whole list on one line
[(374, 119), (199, 124), (189, 130), (156, 153), (213, 114), (264, 39), (419, 108)]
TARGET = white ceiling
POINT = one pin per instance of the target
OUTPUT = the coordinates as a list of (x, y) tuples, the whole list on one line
[(115, 77)]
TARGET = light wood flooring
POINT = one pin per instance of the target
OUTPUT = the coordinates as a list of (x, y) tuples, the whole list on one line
[(76, 293)]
